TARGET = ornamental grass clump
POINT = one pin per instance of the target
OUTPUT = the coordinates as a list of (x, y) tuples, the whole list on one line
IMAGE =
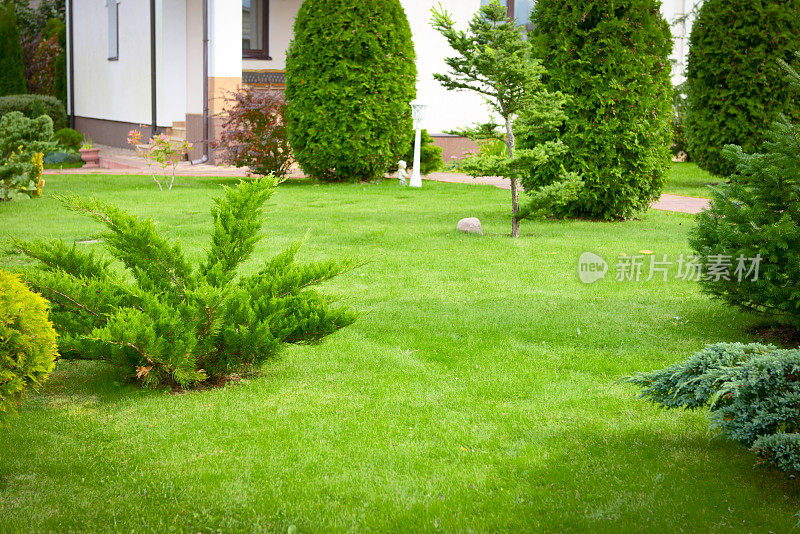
[(753, 392), (170, 323)]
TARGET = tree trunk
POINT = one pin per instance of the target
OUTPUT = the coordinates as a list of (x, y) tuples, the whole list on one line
[(511, 143)]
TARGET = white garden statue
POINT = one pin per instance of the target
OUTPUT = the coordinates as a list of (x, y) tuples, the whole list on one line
[(402, 172)]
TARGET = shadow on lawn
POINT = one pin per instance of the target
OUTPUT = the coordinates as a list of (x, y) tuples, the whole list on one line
[(680, 479)]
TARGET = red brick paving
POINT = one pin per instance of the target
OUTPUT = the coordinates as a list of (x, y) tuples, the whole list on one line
[(125, 162)]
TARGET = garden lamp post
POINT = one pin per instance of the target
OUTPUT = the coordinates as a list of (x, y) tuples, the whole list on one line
[(418, 110)]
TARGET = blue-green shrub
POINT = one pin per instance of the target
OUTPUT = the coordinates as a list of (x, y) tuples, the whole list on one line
[(753, 392)]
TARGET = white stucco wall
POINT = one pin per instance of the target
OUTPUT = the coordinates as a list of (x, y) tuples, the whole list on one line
[(171, 67), (448, 110), (225, 49), (120, 90), (113, 90), (681, 28), (194, 56)]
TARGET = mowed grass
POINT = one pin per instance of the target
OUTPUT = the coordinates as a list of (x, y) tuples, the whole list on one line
[(478, 391), (689, 180)]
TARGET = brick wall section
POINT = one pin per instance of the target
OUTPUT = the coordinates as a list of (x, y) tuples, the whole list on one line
[(453, 146)]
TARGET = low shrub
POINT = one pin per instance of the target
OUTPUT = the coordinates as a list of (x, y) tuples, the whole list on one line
[(254, 133), (170, 323), (19, 133), (32, 106), (58, 158), (161, 151), (430, 155), (23, 142), (752, 391), (69, 139), (27, 343), (757, 215)]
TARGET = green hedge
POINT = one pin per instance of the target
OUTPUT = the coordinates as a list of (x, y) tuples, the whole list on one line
[(612, 59), (736, 89), (33, 106), (430, 155), (350, 76), (12, 66)]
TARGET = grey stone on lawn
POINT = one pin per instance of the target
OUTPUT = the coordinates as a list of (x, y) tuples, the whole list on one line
[(471, 225)]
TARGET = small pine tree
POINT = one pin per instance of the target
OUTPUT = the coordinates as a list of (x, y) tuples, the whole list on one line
[(612, 59), (494, 59), (758, 215), (735, 88), (350, 77), (168, 322), (12, 72)]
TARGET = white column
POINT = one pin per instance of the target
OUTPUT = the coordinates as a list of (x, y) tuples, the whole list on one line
[(225, 33)]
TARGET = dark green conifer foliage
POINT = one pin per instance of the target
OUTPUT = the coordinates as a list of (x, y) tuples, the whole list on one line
[(177, 324), (612, 58), (12, 70), (735, 88), (758, 214), (350, 76)]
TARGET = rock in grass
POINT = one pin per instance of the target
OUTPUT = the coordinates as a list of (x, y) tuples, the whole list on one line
[(471, 225)]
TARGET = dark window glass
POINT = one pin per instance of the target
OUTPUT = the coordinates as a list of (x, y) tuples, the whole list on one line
[(254, 29)]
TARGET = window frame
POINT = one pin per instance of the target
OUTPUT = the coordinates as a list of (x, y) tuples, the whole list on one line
[(113, 31), (263, 52)]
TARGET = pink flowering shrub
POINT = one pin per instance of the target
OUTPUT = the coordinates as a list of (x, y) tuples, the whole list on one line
[(162, 152)]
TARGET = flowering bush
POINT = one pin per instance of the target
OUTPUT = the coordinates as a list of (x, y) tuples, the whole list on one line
[(161, 151), (254, 134), (21, 173), (23, 142)]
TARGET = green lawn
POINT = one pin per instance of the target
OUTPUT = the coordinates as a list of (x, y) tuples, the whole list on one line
[(477, 392), (687, 179)]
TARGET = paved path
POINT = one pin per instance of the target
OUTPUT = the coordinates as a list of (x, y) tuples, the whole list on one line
[(672, 203), (118, 161)]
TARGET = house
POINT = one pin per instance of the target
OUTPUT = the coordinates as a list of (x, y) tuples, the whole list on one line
[(135, 63)]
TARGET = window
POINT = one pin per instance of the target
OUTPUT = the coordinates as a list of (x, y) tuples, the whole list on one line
[(113, 29), (255, 23)]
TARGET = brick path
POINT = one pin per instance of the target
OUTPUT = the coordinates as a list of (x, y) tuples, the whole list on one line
[(117, 161), (672, 203)]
